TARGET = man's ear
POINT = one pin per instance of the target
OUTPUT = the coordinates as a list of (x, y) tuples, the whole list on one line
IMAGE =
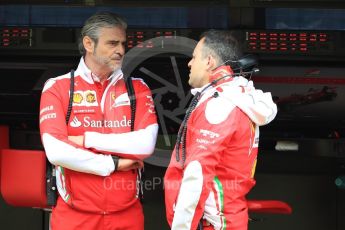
[(211, 62), (89, 44)]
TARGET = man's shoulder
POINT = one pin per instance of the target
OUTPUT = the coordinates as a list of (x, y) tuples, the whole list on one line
[(218, 109), (53, 82), (139, 83)]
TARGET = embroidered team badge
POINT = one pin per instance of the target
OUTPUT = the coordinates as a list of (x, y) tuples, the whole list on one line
[(121, 100), (90, 97)]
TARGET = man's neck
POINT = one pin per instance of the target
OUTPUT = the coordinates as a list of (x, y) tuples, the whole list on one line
[(98, 72), (101, 77), (220, 72)]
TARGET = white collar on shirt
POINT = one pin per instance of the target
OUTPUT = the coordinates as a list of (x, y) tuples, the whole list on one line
[(90, 77)]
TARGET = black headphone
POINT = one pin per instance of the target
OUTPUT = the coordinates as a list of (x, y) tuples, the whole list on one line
[(246, 63)]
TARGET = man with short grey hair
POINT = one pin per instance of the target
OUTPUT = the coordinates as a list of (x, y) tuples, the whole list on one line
[(96, 134)]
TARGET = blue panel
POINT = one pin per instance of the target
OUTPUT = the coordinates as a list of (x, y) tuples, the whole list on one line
[(148, 17), (305, 19), (14, 15), (60, 15)]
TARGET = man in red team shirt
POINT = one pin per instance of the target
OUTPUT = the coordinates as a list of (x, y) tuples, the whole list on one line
[(96, 154), (213, 163)]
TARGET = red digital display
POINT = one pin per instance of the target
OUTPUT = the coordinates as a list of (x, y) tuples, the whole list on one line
[(287, 42), (14, 37), (141, 38)]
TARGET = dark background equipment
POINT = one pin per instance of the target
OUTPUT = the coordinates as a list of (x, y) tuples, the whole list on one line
[(301, 53)]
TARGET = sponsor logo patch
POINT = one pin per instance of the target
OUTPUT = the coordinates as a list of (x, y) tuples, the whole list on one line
[(47, 116), (88, 122), (75, 123), (121, 100), (208, 133), (77, 98), (90, 97), (85, 98)]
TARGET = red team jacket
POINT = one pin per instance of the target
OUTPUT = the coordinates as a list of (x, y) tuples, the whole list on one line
[(221, 152), (102, 114)]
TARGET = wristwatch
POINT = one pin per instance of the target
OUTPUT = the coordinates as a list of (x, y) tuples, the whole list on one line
[(116, 162)]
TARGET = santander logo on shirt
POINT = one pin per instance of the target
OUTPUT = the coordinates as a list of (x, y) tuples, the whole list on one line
[(88, 122)]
